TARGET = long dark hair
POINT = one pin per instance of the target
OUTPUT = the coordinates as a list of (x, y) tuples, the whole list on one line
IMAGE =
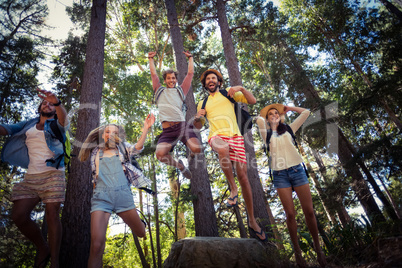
[(281, 128)]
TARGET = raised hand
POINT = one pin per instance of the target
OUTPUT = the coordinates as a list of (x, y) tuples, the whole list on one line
[(187, 53), (47, 96), (149, 121), (151, 54)]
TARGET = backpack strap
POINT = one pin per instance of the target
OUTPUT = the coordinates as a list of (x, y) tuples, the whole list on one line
[(55, 129), (134, 162), (159, 91), (225, 93), (204, 103)]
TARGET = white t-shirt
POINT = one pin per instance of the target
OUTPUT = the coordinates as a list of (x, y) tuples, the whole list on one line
[(38, 151), (169, 105)]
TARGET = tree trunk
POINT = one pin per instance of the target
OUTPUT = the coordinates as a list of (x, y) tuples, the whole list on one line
[(76, 212), (259, 200), (343, 215), (393, 9), (180, 221), (204, 213)]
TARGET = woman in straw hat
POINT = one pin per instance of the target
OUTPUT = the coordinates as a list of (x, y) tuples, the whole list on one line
[(288, 172), (112, 192)]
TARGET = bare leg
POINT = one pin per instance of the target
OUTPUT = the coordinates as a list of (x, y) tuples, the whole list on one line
[(304, 194), (241, 170), (163, 154), (285, 194), (194, 145), (131, 218), (99, 222), (21, 215), (222, 148), (52, 211)]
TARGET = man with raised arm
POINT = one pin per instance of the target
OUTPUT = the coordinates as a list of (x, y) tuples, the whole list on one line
[(226, 139), (170, 101), (34, 145)]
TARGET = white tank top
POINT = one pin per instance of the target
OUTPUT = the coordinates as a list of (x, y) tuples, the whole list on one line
[(38, 151)]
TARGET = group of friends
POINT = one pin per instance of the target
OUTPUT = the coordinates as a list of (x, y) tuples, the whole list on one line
[(33, 145)]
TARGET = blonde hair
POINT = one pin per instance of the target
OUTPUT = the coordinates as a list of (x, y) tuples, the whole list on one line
[(95, 139)]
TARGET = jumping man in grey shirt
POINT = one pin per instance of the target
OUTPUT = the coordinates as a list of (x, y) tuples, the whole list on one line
[(170, 101)]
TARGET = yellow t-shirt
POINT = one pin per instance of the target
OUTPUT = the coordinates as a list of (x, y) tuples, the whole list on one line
[(220, 114)]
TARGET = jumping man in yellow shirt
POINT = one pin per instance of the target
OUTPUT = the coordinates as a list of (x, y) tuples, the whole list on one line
[(226, 140)]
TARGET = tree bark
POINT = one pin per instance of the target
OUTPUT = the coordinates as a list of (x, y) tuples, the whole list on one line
[(259, 200), (76, 212), (204, 213)]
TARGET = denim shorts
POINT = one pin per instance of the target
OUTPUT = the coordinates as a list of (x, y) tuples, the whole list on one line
[(112, 199), (291, 177)]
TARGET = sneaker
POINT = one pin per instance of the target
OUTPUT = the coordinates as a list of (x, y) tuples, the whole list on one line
[(186, 172)]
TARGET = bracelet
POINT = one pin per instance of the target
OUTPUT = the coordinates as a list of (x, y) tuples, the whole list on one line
[(57, 104), (190, 56), (150, 57)]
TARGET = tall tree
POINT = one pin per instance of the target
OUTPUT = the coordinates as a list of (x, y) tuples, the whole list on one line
[(232, 65), (21, 49), (204, 214), (76, 211)]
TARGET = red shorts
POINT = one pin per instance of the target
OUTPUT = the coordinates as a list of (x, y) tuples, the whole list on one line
[(237, 151)]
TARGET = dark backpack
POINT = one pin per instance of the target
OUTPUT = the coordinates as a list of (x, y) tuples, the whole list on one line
[(244, 119), (266, 147), (66, 145), (135, 163)]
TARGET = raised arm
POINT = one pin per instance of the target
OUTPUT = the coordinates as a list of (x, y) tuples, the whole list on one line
[(295, 109), (247, 94), (60, 110), (298, 122), (154, 76), (148, 122), (190, 73)]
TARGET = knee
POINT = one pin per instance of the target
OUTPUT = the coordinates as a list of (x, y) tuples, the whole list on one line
[(309, 214), (160, 155), (98, 246), (290, 216), (196, 149), (242, 176), (141, 233)]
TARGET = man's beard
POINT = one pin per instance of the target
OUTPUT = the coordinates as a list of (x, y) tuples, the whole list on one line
[(50, 114), (213, 89)]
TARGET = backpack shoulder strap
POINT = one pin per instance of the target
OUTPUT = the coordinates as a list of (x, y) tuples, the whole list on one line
[(158, 93), (204, 103), (56, 131), (122, 148), (181, 93), (290, 130), (268, 138), (225, 93)]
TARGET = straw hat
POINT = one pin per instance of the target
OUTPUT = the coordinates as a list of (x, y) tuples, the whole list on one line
[(218, 74), (279, 107)]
